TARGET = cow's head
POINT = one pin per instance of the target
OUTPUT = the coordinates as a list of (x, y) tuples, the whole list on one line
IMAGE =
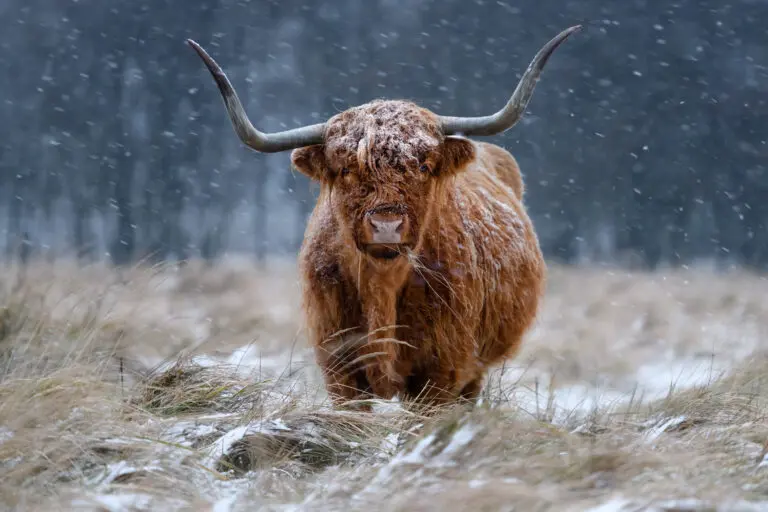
[(384, 160)]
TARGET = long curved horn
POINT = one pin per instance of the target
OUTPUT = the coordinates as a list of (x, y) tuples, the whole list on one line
[(508, 116), (251, 137)]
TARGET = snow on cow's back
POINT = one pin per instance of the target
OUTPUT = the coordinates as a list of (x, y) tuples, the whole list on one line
[(487, 199)]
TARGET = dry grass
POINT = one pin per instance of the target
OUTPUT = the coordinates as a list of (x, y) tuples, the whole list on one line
[(191, 389)]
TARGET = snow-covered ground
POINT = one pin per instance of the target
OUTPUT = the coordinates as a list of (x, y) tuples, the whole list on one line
[(242, 420)]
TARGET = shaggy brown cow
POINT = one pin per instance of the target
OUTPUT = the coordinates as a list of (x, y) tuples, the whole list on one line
[(420, 266)]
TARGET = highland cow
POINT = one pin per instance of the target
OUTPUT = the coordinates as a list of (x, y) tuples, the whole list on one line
[(420, 266)]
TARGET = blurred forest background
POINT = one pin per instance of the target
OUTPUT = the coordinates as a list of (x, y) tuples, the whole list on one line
[(642, 144)]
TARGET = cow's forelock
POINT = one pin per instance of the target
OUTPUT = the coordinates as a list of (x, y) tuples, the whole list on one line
[(383, 135)]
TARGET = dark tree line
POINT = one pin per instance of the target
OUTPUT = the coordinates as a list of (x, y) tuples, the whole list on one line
[(645, 140)]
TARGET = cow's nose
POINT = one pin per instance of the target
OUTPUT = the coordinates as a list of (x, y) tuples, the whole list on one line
[(386, 228)]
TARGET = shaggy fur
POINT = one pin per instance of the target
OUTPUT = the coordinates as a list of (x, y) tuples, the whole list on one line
[(465, 289)]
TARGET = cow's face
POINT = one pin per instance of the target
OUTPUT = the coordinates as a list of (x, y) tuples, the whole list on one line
[(383, 162)]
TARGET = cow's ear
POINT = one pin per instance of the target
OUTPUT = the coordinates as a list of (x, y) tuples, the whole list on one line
[(310, 160), (458, 152)]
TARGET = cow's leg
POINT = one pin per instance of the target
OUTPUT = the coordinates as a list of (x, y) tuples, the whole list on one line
[(379, 353), (345, 380), (334, 330), (441, 385), (433, 388), (377, 357), (472, 389)]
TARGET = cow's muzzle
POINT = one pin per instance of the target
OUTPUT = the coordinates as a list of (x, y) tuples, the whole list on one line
[(386, 231)]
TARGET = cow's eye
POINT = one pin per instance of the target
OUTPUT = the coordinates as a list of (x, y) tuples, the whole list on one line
[(344, 172), (424, 168)]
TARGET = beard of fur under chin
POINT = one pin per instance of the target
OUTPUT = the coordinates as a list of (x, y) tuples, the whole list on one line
[(390, 270)]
